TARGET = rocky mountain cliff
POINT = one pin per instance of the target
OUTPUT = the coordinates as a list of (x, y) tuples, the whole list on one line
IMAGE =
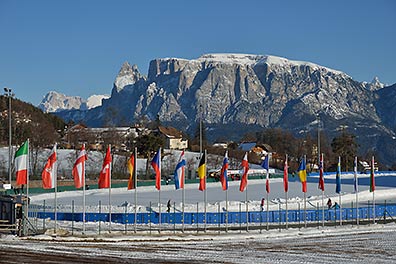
[(57, 102), (249, 91)]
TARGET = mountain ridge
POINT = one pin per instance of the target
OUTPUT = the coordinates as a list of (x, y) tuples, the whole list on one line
[(254, 90), (56, 102)]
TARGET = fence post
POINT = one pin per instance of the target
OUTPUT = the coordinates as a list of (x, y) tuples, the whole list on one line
[(100, 215), (150, 218), (335, 217), (44, 217), (174, 217), (72, 217), (247, 215), (261, 220), (240, 217), (219, 216), (317, 214), (279, 216), (368, 211), (197, 217), (299, 222), (125, 217)]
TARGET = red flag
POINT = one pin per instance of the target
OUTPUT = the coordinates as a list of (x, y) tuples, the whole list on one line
[(285, 176), (372, 176), (105, 173), (78, 171), (156, 164), (49, 172), (321, 179), (245, 169)]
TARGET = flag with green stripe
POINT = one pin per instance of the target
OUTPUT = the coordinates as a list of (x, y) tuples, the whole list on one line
[(21, 163)]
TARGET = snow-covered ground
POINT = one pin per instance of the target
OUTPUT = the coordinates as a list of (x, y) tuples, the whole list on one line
[(375, 243), (346, 244)]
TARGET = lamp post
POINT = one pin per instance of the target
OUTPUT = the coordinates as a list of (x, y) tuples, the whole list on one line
[(9, 94)]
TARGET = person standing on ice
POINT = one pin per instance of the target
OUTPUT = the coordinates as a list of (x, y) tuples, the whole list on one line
[(262, 204), (169, 206), (329, 203)]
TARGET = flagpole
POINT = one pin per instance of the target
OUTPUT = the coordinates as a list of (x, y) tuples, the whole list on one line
[(305, 209), (267, 208), (110, 190), (183, 195), (247, 209), (373, 187), (226, 210), (83, 176), (323, 203), (27, 183), (287, 198), (205, 195), (56, 190), (357, 193), (135, 180), (339, 195), (373, 208), (159, 191), (357, 209), (287, 218), (305, 195)]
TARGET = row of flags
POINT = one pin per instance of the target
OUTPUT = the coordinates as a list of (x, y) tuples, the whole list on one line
[(49, 172)]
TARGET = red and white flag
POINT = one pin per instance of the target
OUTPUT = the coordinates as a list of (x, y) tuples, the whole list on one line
[(49, 173), (105, 173), (78, 171), (286, 176), (245, 169)]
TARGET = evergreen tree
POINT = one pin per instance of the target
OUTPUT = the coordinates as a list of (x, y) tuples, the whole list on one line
[(345, 146)]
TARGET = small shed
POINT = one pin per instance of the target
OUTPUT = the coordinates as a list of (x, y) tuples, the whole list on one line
[(7, 213)]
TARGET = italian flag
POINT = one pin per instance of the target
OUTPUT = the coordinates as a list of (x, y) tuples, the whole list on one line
[(21, 163)]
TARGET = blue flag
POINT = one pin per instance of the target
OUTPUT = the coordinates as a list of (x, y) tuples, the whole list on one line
[(338, 176), (265, 163)]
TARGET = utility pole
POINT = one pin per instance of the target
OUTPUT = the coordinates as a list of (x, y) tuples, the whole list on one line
[(9, 94)]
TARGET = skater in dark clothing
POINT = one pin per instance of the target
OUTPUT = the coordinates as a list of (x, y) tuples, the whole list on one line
[(168, 206), (329, 203)]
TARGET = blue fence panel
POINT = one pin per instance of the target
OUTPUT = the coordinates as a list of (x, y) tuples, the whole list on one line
[(191, 218)]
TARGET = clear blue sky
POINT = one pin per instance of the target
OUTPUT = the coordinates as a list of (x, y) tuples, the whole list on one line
[(77, 47)]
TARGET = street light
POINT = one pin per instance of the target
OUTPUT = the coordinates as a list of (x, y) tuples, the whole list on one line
[(9, 94)]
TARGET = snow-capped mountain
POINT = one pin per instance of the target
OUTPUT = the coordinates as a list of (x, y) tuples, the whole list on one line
[(249, 89), (374, 85), (244, 91), (95, 100), (57, 102)]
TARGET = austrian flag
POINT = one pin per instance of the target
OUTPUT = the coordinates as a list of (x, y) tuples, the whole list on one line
[(105, 173), (78, 171), (49, 174)]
